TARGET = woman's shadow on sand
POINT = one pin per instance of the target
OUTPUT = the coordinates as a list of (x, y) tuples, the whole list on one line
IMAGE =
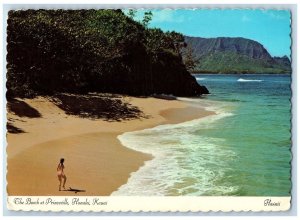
[(73, 190)]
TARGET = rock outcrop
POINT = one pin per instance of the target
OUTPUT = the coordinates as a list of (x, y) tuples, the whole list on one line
[(235, 55)]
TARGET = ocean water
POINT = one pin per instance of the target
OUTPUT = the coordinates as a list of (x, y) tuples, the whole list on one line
[(243, 150)]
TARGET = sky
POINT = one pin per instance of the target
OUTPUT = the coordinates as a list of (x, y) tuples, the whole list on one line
[(271, 28)]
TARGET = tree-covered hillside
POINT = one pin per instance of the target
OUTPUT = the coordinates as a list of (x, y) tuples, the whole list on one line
[(83, 51), (234, 55)]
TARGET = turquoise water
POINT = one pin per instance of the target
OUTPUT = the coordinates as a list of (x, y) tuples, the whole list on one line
[(244, 150)]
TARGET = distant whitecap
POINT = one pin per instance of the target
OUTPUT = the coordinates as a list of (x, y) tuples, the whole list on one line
[(200, 78), (249, 80)]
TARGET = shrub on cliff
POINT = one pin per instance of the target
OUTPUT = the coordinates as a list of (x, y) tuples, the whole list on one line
[(83, 51)]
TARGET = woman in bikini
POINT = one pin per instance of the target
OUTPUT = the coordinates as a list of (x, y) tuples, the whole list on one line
[(60, 173)]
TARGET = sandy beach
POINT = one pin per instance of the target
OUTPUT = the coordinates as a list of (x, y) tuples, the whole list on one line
[(95, 161)]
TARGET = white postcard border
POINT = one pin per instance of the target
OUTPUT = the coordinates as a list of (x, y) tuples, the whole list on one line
[(256, 201), (148, 204)]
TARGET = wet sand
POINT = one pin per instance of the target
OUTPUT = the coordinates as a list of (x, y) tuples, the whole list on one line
[(95, 161)]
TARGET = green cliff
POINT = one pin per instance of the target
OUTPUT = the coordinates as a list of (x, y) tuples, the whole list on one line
[(235, 55)]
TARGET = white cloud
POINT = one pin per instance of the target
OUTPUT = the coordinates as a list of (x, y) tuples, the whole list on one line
[(166, 16), (160, 16)]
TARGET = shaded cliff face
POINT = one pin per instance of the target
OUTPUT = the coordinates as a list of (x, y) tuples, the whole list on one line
[(284, 61), (83, 51), (226, 55)]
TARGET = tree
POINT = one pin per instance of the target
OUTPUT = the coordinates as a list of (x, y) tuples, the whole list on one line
[(190, 60), (131, 13), (147, 18), (177, 40)]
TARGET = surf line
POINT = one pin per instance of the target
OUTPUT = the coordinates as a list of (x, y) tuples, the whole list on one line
[(133, 140)]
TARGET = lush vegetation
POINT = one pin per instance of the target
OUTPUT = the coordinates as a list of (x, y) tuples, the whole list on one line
[(80, 51), (233, 55), (230, 62)]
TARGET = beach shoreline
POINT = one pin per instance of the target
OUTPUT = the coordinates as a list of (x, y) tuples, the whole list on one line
[(96, 162)]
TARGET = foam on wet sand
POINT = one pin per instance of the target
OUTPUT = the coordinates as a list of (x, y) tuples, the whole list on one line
[(95, 160)]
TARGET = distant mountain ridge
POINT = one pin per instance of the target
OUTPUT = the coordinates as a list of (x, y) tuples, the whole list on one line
[(235, 55)]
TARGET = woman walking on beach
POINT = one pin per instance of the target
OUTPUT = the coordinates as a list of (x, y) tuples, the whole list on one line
[(60, 173)]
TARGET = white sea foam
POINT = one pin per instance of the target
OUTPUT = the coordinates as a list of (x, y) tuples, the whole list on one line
[(249, 80), (185, 162), (200, 78)]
